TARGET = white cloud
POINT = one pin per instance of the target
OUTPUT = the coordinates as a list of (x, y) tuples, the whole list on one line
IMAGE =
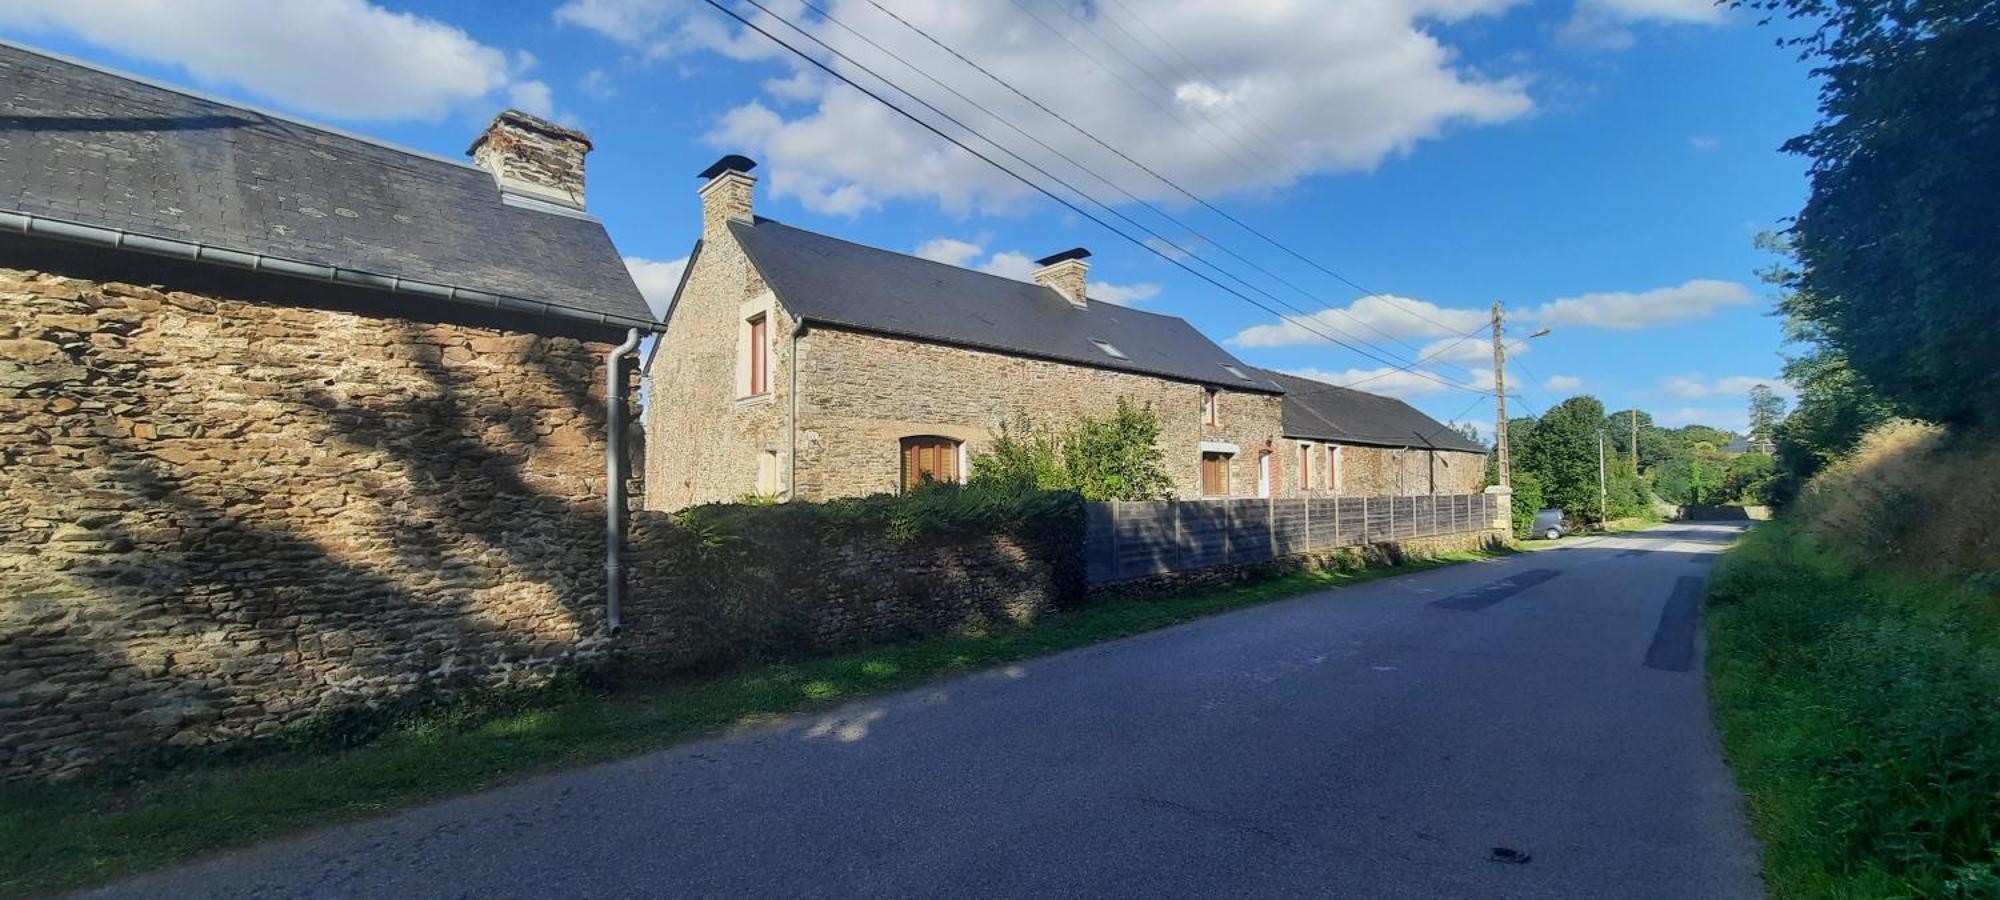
[(1607, 24), (1123, 294), (1563, 383), (1703, 142), (347, 59), (532, 97), (950, 251), (1392, 382), (1630, 311), (597, 85), (657, 280), (1736, 419), (1018, 266), (1283, 91), (1696, 387), (1368, 318)]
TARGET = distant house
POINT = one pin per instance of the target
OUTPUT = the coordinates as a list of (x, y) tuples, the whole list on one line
[(289, 418), (1739, 444), (798, 365), (1343, 441)]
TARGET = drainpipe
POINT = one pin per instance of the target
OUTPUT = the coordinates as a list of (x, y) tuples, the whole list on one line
[(792, 423), (614, 476)]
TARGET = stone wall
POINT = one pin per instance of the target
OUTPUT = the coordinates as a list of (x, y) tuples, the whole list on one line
[(219, 516), (1370, 556), (861, 394), (789, 586)]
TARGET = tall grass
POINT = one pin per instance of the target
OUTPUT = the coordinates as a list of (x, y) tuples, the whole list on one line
[(1856, 676)]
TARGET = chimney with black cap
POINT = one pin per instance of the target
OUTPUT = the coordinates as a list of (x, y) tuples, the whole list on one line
[(533, 157), (1063, 273), (725, 194)]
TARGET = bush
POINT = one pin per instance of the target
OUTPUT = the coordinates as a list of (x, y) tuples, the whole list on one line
[(1116, 457), (1527, 502), (1911, 494), (1862, 714)]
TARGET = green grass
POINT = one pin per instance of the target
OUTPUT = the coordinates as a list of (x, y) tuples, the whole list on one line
[(1861, 712), (60, 836)]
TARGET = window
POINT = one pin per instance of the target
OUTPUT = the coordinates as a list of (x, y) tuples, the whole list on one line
[(1305, 467), (1109, 350), (767, 473), (1211, 401), (1214, 474), (1333, 467), (1236, 372), (929, 458), (760, 355)]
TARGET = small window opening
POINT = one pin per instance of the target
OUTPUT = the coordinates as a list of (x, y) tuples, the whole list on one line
[(1109, 350)]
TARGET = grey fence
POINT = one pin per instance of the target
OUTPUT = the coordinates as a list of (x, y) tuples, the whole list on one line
[(1130, 540)]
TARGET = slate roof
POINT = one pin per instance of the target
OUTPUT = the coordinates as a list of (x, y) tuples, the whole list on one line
[(88, 146), (1317, 411), (828, 280)]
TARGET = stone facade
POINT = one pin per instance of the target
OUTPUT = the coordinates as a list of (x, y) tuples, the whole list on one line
[(861, 394), (1373, 471), (839, 402), (219, 516)]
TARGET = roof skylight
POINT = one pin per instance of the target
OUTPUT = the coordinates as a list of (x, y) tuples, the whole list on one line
[(1109, 350)]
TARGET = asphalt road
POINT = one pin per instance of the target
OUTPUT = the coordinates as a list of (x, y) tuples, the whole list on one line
[(1377, 741)]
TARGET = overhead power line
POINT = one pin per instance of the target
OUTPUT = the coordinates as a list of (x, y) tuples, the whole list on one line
[(1409, 306), (1156, 210), (1064, 201)]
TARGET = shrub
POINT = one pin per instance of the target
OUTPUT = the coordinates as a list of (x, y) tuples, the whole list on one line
[(1527, 502), (1911, 494), (1115, 457)]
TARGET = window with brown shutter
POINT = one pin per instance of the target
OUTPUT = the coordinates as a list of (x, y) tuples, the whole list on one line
[(1305, 467), (929, 458), (1210, 415), (760, 363), (1215, 474)]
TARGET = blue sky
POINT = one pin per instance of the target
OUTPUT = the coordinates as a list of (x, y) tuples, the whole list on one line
[(1599, 166)]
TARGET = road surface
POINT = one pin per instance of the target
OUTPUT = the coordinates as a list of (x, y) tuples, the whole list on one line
[(1377, 741)]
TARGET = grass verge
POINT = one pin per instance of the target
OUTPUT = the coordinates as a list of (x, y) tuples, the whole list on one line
[(60, 836), (1861, 712)]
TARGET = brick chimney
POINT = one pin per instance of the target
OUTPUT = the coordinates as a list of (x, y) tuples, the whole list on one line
[(1063, 273), (533, 157), (725, 194)]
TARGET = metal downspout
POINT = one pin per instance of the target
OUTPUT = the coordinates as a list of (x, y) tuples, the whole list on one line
[(792, 423), (614, 477)]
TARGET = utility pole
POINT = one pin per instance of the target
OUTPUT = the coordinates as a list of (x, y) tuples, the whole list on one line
[(1506, 465), (1635, 440), (1603, 511)]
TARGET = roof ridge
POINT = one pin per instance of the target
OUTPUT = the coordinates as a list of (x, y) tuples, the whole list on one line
[(765, 220), (206, 97)]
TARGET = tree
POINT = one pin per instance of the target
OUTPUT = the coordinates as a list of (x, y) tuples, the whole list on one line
[(1561, 451), (1766, 410), (1115, 457), (1898, 245)]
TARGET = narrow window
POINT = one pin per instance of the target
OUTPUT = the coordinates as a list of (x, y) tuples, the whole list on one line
[(929, 458), (1305, 467), (1215, 474), (1210, 403), (1333, 468), (767, 473), (760, 351)]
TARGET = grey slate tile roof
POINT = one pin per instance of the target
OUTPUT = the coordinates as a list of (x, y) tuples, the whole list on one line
[(88, 146), (1317, 411), (828, 280)]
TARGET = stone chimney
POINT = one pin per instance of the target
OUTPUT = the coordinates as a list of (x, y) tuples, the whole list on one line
[(533, 157), (1064, 273), (725, 194)]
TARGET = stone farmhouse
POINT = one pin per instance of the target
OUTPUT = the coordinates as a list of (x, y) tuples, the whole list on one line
[(288, 417), (797, 365)]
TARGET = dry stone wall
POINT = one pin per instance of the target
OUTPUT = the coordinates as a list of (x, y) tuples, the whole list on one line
[(218, 516)]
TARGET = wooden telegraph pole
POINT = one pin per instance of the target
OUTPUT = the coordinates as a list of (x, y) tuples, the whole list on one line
[(1505, 466), (1635, 440)]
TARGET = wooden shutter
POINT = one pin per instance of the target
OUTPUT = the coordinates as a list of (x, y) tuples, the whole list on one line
[(935, 457), (1215, 474)]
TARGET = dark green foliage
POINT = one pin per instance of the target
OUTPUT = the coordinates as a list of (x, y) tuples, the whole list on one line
[(1528, 501), (1766, 410), (1899, 241), (1561, 450), (1116, 457), (1750, 479), (1861, 711)]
